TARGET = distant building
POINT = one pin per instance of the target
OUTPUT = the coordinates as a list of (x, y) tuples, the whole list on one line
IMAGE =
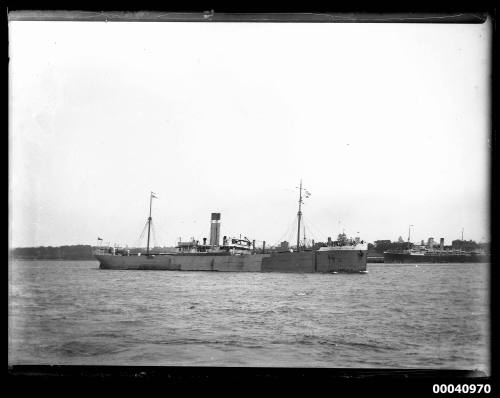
[(484, 246), (284, 245), (466, 245), (400, 240)]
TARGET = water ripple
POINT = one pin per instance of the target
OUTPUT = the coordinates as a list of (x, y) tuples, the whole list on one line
[(397, 316)]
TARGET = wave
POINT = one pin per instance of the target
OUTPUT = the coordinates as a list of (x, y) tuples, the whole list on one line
[(210, 342), (85, 349), (305, 340), (371, 346)]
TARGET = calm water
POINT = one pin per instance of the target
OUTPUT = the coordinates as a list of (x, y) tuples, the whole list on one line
[(397, 316)]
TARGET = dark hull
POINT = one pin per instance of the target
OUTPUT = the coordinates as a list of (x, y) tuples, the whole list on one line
[(301, 262), (407, 258), (375, 260)]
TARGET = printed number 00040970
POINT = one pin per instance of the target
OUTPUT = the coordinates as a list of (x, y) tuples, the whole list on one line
[(461, 388)]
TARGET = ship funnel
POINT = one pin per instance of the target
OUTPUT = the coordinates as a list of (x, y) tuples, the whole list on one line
[(215, 229), (441, 243)]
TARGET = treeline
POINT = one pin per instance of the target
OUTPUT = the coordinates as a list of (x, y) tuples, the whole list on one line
[(75, 252)]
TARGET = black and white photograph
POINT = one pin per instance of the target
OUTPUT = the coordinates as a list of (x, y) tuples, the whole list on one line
[(249, 193)]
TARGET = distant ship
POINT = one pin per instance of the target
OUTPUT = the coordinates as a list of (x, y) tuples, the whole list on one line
[(240, 255), (435, 256)]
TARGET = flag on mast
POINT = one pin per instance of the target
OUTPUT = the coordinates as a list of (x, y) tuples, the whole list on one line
[(99, 238), (154, 195)]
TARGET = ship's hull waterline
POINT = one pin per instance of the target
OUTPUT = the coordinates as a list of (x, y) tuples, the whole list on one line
[(296, 262)]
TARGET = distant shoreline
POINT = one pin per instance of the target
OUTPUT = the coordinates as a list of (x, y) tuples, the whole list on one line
[(371, 263), (52, 259)]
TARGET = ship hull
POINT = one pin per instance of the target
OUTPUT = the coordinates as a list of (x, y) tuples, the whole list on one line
[(296, 262), (456, 258)]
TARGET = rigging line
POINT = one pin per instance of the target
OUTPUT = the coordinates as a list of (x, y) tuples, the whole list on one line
[(306, 227), (316, 231), (288, 232), (285, 234), (141, 237), (160, 230), (309, 236), (143, 230), (317, 236)]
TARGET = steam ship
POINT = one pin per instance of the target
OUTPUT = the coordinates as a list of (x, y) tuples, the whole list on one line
[(435, 256), (241, 255)]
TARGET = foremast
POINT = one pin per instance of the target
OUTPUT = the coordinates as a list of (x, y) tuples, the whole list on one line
[(150, 219)]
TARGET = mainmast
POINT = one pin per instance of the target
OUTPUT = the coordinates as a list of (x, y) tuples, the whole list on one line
[(299, 215)]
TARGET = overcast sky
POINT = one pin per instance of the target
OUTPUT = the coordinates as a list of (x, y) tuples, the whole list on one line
[(387, 125)]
